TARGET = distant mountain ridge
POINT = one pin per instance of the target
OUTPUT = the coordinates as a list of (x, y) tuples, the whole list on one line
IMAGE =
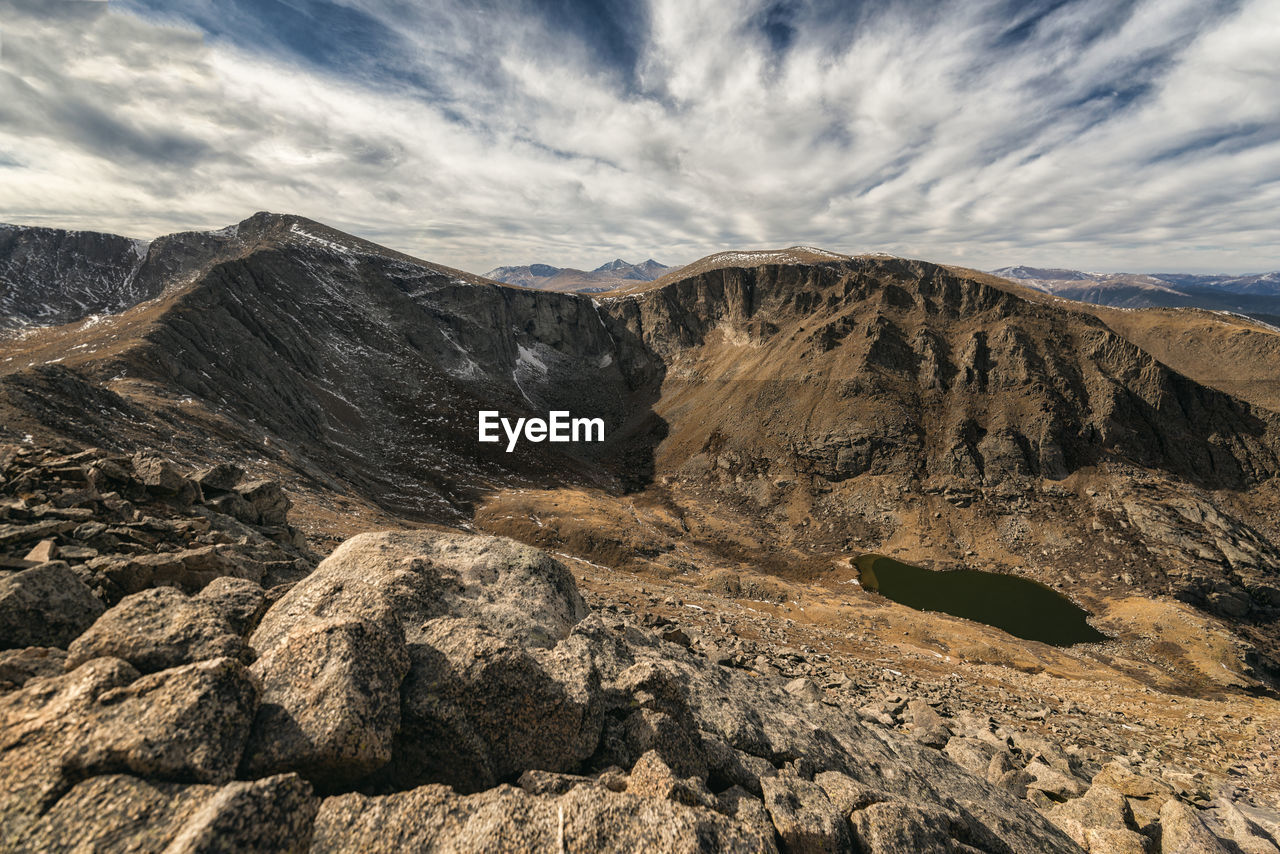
[(606, 277), (1257, 295)]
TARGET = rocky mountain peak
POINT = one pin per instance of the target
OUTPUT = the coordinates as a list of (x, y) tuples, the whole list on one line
[(616, 264)]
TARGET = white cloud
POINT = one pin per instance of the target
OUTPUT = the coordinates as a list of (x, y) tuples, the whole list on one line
[(912, 133)]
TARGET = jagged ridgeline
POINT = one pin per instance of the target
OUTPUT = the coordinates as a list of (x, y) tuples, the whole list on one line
[(364, 367)]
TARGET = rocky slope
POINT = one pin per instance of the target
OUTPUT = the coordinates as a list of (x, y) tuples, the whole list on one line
[(53, 276), (461, 696), (358, 368)]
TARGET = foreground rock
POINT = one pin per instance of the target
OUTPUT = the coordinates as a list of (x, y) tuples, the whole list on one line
[(46, 605), (396, 694), (472, 661)]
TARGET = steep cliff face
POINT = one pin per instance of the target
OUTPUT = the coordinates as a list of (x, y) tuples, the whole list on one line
[(372, 365), (368, 365), (52, 276), (887, 366)]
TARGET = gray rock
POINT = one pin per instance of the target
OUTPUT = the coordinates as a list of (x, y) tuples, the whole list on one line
[(805, 818), (927, 726), (46, 605), (804, 689), (972, 754), (1102, 807), (846, 793), (1247, 834), (653, 778), (158, 629), (479, 708), (1053, 782), (892, 827), (490, 689)]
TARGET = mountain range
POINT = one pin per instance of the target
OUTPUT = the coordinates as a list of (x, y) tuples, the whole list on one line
[(606, 277), (665, 630), (1257, 296)]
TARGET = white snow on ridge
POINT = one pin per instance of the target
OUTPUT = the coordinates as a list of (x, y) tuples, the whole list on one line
[(529, 360)]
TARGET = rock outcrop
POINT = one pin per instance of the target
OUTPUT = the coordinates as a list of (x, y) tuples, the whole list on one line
[(453, 692)]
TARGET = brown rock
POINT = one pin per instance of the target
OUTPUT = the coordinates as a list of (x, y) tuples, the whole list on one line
[(44, 551), (185, 724), (116, 812), (330, 705), (1181, 830), (652, 778), (584, 820), (158, 629), (18, 666), (268, 499), (46, 605)]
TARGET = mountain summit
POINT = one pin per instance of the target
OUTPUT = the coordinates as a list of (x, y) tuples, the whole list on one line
[(606, 277)]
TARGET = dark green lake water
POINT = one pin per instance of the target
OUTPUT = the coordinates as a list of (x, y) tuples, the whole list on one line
[(1020, 606)]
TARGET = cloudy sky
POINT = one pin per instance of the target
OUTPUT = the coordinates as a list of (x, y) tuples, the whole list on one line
[(1098, 134)]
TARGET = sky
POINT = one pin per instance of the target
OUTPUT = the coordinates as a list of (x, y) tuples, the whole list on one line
[(1110, 135)]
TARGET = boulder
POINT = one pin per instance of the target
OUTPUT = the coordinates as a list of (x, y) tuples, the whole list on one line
[(330, 704), (187, 569), (1247, 834), (805, 690), (221, 477), (162, 478), (1183, 831), (584, 820), (188, 724), (927, 726), (488, 689), (268, 499), (1057, 784), (241, 602), (270, 816), (479, 708), (18, 666), (846, 793), (652, 778), (1101, 807), (891, 827), (805, 818), (158, 629), (46, 605), (972, 754)]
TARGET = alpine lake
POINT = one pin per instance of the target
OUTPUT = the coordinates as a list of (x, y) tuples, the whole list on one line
[(1024, 608)]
